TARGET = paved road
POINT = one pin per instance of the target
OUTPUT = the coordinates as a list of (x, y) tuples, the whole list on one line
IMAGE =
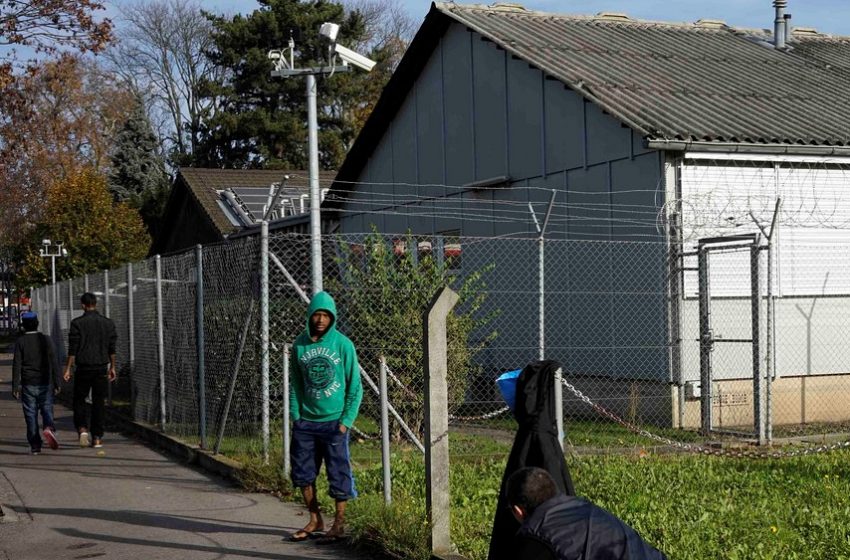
[(131, 502)]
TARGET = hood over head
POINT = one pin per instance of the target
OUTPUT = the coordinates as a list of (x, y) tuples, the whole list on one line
[(325, 302)]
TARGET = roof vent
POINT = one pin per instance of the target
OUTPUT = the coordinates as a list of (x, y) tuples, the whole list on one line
[(508, 7), (807, 31), (710, 23), (612, 16)]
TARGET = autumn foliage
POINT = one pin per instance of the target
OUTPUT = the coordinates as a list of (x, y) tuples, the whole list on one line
[(99, 234)]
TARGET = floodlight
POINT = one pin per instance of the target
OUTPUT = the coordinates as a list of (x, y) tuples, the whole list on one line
[(348, 56), (329, 31), (273, 55), (64, 252), (45, 242)]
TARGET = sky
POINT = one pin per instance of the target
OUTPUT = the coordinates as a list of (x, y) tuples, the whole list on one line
[(828, 16)]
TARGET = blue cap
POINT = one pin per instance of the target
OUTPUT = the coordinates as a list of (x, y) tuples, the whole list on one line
[(29, 315)]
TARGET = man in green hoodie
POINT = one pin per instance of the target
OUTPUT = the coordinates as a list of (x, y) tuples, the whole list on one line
[(324, 399)]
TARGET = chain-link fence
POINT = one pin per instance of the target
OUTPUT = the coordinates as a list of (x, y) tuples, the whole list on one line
[(627, 320)]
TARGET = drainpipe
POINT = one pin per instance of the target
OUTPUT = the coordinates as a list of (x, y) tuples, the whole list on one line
[(779, 23)]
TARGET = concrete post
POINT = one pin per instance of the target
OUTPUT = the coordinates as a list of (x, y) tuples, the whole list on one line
[(437, 495)]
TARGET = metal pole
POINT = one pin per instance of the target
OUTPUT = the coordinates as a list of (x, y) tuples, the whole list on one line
[(541, 280), (287, 466), (86, 282), (315, 195), (199, 330), (106, 310), (706, 342), (160, 341), (264, 333), (385, 434), (758, 400), (131, 332)]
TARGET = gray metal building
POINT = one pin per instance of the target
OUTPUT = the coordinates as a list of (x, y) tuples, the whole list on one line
[(494, 107)]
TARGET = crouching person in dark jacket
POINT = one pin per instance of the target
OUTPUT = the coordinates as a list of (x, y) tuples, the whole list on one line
[(560, 527)]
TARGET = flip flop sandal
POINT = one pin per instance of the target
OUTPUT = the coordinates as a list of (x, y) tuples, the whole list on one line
[(300, 535)]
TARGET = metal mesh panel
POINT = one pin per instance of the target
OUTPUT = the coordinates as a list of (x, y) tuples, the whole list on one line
[(180, 343), (145, 382), (119, 313), (231, 322)]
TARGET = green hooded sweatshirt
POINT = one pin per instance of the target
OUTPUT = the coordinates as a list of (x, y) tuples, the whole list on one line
[(325, 379)]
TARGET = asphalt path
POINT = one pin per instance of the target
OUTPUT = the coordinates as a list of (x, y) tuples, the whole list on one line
[(129, 502)]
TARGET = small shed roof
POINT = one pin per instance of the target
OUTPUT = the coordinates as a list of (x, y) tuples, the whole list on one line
[(251, 186)]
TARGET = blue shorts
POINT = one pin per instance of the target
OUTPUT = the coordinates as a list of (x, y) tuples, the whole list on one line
[(314, 442)]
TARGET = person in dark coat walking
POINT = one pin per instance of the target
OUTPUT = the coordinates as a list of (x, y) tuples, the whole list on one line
[(535, 445), (91, 348), (35, 380), (560, 527)]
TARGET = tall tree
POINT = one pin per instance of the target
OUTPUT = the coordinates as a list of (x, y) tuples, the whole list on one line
[(261, 120), (137, 175), (160, 51), (47, 26), (98, 232), (60, 116)]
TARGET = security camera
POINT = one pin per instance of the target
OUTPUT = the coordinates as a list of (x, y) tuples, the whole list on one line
[(329, 31), (348, 56)]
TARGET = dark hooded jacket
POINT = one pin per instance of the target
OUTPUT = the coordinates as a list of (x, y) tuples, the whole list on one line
[(570, 528), (535, 445)]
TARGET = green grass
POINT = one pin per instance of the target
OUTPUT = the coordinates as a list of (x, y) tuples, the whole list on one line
[(692, 507)]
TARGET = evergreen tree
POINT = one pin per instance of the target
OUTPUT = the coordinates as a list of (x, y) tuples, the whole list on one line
[(262, 121), (138, 174)]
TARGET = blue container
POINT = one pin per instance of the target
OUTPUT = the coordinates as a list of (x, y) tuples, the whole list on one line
[(507, 386)]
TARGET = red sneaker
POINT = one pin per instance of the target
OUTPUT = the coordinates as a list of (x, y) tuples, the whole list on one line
[(50, 437)]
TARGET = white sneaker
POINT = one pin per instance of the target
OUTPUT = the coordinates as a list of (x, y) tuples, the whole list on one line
[(85, 439)]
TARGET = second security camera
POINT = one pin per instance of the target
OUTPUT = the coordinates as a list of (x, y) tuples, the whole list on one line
[(348, 56)]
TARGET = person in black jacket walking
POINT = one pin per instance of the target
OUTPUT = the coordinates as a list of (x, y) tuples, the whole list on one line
[(91, 347), (560, 527), (35, 380)]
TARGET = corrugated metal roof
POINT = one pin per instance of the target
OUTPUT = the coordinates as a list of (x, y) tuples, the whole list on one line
[(251, 185), (691, 82)]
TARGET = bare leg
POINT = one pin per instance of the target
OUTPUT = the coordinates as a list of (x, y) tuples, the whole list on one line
[(316, 522), (338, 529)]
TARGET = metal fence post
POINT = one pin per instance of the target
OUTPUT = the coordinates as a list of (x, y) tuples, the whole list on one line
[(385, 434), (160, 341), (287, 466), (758, 393), (706, 341), (131, 332), (106, 310), (199, 329), (264, 333)]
